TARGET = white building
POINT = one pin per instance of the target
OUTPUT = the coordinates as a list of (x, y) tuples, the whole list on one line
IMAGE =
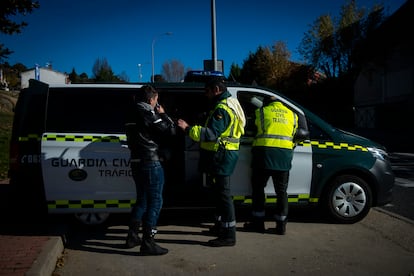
[(46, 75)]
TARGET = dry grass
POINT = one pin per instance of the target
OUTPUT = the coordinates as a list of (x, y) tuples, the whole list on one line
[(7, 103)]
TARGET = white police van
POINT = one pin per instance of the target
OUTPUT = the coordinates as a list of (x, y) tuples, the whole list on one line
[(69, 154)]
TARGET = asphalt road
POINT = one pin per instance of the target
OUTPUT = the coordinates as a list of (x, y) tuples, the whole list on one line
[(378, 245)]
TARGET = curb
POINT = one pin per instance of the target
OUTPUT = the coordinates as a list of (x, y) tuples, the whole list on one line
[(45, 263), (394, 215)]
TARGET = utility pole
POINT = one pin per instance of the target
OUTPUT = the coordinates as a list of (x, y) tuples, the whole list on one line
[(213, 35)]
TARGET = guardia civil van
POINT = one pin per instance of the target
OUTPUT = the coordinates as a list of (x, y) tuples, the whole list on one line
[(69, 154)]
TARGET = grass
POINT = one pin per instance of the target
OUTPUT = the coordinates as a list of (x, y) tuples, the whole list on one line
[(6, 121), (7, 102)]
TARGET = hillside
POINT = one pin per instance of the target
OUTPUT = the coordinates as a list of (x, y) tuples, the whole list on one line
[(7, 103)]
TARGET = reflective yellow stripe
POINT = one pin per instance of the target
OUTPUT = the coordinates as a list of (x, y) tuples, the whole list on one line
[(228, 138), (90, 138), (332, 145), (83, 138), (90, 203), (298, 198)]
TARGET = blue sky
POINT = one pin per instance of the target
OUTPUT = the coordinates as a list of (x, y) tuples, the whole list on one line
[(75, 33)]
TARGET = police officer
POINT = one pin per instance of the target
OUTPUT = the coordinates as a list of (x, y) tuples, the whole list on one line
[(219, 151), (272, 154)]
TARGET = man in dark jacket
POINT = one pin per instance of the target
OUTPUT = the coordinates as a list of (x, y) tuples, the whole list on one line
[(219, 151), (145, 131)]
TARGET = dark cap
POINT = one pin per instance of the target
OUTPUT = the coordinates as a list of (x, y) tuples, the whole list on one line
[(216, 82)]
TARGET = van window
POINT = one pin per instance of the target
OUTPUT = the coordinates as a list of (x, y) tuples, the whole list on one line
[(316, 133), (88, 110), (251, 101), (190, 105)]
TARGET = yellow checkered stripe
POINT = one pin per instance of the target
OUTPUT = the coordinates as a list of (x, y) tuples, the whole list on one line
[(90, 203), (83, 138), (73, 138), (332, 145), (299, 198), (97, 138)]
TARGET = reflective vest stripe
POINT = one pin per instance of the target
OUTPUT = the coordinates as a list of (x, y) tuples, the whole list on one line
[(228, 139)]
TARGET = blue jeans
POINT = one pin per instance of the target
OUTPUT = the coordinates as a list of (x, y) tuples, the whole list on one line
[(149, 183)]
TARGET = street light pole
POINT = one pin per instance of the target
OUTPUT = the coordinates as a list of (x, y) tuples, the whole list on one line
[(152, 54), (139, 72)]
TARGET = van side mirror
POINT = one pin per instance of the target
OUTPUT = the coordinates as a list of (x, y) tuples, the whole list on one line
[(301, 135)]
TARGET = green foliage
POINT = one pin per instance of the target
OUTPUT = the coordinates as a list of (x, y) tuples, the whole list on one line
[(12, 74), (269, 67), (102, 72), (331, 43), (235, 71), (8, 26)]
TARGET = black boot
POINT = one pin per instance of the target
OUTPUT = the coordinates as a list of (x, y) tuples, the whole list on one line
[(281, 227), (148, 245), (215, 229), (133, 238), (256, 225), (227, 237)]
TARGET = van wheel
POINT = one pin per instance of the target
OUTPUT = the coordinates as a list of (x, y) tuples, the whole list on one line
[(348, 199), (92, 218)]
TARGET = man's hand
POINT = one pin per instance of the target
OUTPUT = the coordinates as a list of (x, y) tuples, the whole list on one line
[(182, 124)]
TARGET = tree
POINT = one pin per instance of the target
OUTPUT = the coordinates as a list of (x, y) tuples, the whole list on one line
[(83, 78), (251, 68), (74, 78), (7, 25), (268, 66), (235, 72), (102, 71), (330, 43), (159, 78), (123, 77), (278, 65), (12, 74), (173, 71)]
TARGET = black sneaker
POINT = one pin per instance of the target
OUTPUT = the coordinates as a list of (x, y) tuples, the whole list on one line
[(219, 242), (132, 240), (254, 227), (150, 248)]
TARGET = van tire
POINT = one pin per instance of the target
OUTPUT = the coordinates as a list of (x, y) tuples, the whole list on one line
[(92, 218), (348, 199)]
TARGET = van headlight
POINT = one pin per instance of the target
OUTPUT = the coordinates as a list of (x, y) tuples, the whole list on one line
[(378, 153)]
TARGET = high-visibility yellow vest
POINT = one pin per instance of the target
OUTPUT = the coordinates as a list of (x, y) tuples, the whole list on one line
[(276, 126), (229, 139)]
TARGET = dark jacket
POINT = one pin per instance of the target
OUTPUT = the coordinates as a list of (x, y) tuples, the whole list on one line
[(147, 131)]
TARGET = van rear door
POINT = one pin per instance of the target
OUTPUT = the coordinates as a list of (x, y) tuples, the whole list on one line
[(85, 158)]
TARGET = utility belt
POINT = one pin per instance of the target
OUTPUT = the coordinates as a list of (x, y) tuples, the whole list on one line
[(227, 143)]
